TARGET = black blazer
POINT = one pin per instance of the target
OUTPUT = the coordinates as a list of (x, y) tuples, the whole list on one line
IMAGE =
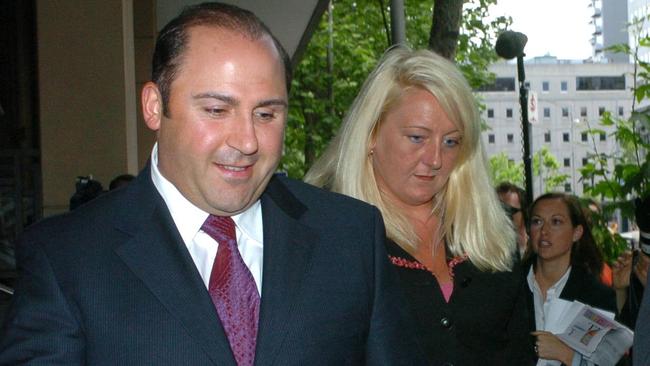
[(113, 284), (484, 323), (581, 286)]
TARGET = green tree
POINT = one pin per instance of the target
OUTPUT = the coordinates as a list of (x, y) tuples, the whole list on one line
[(349, 40), (503, 169), (617, 178), (546, 168)]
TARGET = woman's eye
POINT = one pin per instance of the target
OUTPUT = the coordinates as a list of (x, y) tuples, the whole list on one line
[(451, 142), (557, 222), (535, 221)]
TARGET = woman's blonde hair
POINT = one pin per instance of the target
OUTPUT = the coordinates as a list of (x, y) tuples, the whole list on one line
[(472, 219)]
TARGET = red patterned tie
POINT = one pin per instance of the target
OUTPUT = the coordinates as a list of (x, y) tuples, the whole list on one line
[(233, 290)]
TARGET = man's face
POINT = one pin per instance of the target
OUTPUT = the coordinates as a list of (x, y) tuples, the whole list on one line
[(512, 199), (222, 138)]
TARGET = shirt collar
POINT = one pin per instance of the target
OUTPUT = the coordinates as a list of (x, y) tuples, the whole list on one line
[(557, 287), (189, 218)]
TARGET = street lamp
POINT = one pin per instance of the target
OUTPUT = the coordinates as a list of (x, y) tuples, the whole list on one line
[(510, 45)]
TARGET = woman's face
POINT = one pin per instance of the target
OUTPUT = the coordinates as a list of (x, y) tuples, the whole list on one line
[(551, 231), (415, 149)]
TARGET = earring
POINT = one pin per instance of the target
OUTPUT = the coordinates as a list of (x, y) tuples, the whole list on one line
[(372, 151)]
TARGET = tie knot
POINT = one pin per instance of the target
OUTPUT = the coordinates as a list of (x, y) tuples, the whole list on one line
[(220, 227)]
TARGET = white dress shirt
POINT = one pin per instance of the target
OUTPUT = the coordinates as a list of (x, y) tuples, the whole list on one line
[(203, 249), (542, 307)]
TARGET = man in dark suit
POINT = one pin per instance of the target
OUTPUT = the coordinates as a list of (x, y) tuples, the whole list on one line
[(207, 258)]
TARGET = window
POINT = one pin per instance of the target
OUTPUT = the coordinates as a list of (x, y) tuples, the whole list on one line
[(547, 112), (564, 86), (500, 84), (585, 161), (545, 86), (567, 187), (567, 162), (491, 138), (620, 111), (490, 113), (601, 111), (583, 111), (565, 111), (584, 137), (527, 84), (508, 112), (603, 137), (511, 138), (547, 137), (565, 137), (600, 82)]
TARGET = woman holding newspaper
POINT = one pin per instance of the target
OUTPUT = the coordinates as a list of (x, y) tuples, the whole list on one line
[(565, 263)]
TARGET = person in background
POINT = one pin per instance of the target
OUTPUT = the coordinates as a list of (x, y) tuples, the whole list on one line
[(641, 347), (120, 181), (208, 257), (86, 190), (410, 145), (564, 262), (513, 199)]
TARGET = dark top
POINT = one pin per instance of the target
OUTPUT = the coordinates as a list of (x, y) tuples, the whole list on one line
[(581, 286), (484, 323)]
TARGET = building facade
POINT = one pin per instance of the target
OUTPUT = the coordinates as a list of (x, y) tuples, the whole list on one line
[(609, 19), (571, 98)]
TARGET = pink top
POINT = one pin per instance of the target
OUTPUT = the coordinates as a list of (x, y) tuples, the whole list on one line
[(447, 289)]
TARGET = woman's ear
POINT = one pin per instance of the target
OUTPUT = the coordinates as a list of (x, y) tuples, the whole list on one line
[(577, 233)]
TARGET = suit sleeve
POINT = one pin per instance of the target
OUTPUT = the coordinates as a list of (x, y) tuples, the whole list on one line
[(39, 327), (641, 346), (391, 338)]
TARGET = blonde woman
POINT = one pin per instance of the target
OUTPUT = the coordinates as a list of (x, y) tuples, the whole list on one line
[(410, 145)]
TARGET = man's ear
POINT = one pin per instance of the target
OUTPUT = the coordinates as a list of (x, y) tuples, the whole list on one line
[(152, 106)]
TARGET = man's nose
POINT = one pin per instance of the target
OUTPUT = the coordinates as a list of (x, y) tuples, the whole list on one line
[(243, 136)]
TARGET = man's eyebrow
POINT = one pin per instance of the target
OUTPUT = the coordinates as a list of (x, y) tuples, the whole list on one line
[(273, 102), (222, 97), (233, 101)]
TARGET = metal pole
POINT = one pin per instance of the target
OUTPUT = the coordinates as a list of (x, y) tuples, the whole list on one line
[(525, 128), (397, 22)]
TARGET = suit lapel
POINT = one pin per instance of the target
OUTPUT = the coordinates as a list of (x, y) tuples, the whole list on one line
[(156, 254), (287, 253)]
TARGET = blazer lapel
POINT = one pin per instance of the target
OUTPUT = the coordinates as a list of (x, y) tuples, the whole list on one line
[(287, 253), (157, 255)]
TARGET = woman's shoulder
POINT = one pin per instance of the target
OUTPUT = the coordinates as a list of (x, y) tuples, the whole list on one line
[(587, 288)]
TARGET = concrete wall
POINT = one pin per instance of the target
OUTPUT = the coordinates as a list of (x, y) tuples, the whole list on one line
[(87, 94)]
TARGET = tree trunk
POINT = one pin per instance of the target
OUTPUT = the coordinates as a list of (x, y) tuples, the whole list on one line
[(445, 28)]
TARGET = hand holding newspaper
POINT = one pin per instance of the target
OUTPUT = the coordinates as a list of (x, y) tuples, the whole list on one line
[(592, 332)]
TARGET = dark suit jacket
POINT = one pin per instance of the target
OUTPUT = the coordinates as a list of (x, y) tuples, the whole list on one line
[(484, 323), (583, 287), (113, 284), (641, 345), (580, 286)]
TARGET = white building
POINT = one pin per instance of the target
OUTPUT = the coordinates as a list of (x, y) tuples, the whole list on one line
[(639, 9), (571, 98), (609, 20)]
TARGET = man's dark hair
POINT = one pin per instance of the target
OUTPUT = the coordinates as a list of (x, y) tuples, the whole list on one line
[(507, 187), (172, 40)]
